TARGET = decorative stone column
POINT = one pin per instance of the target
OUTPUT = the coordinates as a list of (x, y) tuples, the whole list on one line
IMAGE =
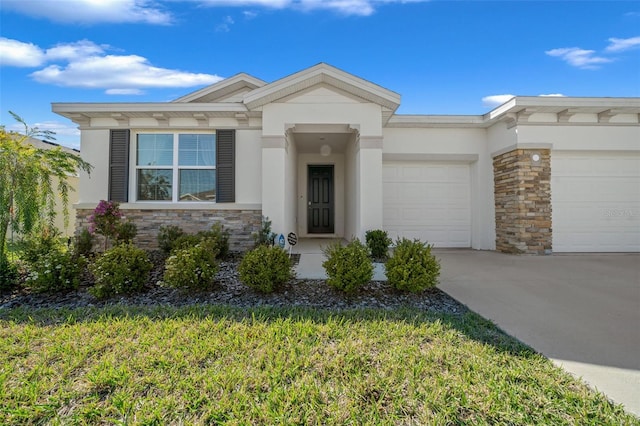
[(522, 189)]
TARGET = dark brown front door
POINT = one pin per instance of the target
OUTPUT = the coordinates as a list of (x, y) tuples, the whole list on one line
[(320, 218)]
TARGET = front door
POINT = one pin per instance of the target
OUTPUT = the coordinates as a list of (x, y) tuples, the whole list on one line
[(320, 218)]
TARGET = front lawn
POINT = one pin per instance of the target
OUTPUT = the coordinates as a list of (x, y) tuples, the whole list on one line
[(211, 365)]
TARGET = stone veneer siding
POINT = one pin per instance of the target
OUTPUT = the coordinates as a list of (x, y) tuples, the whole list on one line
[(241, 224), (522, 192)]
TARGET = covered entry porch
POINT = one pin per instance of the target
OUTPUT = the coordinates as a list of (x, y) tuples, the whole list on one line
[(322, 181)]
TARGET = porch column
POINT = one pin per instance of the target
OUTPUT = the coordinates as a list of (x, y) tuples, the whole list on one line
[(370, 183), (274, 155)]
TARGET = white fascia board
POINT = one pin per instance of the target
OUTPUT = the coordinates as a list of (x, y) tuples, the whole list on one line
[(88, 108), (588, 104), (436, 121)]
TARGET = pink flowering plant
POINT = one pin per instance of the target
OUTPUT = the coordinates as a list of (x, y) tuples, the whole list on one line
[(105, 220)]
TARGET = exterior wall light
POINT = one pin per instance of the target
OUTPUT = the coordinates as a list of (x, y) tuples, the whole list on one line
[(536, 158)]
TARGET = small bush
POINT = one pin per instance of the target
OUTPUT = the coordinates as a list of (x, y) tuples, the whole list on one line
[(218, 234), (265, 236), (265, 268), (378, 243), (58, 270), (412, 266), (348, 267), (123, 269), (8, 274), (186, 241), (36, 246), (217, 238), (126, 232), (192, 267), (84, 242), (167, 237)]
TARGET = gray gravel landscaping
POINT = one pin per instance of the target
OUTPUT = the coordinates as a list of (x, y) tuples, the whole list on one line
[(228, 290)]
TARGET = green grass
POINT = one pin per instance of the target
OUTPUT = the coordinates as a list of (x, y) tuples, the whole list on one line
[(211, 365)]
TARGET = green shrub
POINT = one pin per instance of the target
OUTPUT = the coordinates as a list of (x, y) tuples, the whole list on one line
[(84, 242), (412, 266), (186, 241), (126, 232), (348, 267), (192, 267), (58, 270), (220, 236), (123, 269), (265, 268), (378, 243), (217, 238), (265, 236), (167, 237), (8, 274), (36, 246)]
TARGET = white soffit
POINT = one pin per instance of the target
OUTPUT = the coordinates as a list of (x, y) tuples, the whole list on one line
[(318, 74)]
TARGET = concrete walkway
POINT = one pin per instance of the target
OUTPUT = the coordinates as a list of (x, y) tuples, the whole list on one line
[(582, 311), (310, 265)]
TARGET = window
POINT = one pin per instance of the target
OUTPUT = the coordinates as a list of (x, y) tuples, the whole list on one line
[(188, 159)]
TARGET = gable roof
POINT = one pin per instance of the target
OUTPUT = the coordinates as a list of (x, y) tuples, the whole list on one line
[(223, 89), (322, 73)]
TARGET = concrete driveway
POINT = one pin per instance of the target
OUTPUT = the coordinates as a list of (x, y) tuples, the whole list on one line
[(582, 311)]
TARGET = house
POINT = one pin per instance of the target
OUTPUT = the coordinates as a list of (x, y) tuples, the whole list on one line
[(322, 153)]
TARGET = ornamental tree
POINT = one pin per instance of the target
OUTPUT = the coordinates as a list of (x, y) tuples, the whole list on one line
[(27, 176), (106, 220)]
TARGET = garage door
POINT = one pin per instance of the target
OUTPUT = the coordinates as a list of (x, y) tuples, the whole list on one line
[(595, 202), (429, 201)]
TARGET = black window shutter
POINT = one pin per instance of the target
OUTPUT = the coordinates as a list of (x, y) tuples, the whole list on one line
[(119, 165), (226, 166)]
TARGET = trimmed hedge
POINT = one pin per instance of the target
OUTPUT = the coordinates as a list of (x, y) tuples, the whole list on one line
[(265, 268), (348, 267), (412, 266)]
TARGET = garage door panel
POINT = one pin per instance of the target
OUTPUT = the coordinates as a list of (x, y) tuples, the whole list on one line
[(595, 202), (428, 201)]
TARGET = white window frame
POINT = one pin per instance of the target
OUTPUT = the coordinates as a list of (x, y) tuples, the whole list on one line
[(175, 167)]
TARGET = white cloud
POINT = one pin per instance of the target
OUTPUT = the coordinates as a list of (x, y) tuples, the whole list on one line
[(86, 64), (151, 12), (552, 95), (91, 11), (580, 58), (118, 73), (71, 51), (18, 54), (346, 7), (495, 100), (248, 14), (225, 26), (622, 44), (124, 92)]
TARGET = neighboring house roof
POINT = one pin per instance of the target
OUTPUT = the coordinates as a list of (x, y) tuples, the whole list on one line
[(242, 96), (42, 144)]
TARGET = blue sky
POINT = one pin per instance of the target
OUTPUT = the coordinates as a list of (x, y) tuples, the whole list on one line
[(443, 57)]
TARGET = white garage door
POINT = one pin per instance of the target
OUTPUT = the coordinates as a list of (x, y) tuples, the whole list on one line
[(429, 201), (595, 202)]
